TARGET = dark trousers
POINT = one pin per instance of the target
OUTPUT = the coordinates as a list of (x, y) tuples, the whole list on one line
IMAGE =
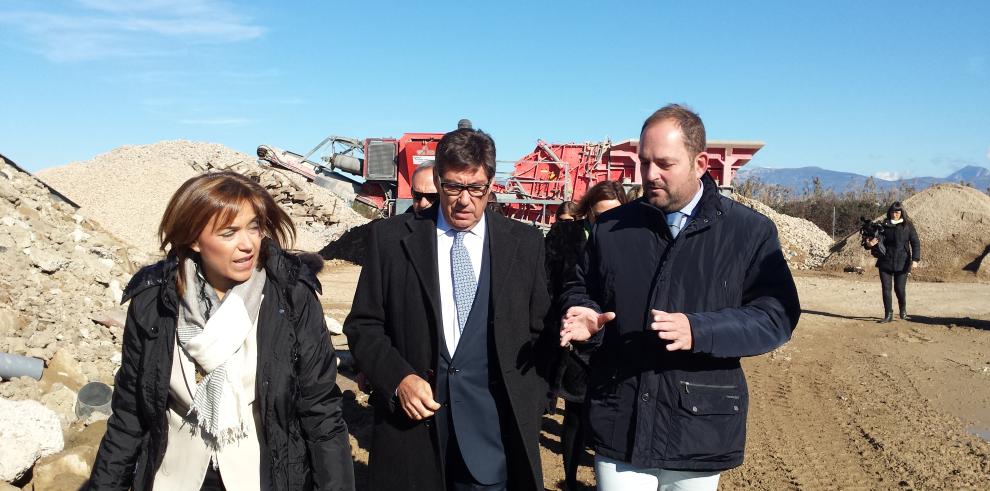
[(572, 441), (899, 282), (212, 481), (459, 477)]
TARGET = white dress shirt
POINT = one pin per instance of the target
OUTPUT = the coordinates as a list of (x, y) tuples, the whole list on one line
[(474, 241)]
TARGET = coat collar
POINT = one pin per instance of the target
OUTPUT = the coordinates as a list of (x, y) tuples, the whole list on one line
[(709, 208), (420, 245)]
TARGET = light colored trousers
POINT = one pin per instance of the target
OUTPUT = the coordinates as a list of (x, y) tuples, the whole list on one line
[(615, 475)]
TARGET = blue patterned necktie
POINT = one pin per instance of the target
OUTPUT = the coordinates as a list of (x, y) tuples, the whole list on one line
[(465, 284), (674, 222)]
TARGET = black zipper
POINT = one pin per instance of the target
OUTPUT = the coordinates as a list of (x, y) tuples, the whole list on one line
[(688, 385)]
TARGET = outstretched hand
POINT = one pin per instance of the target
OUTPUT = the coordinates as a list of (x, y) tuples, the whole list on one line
[(581, 323)]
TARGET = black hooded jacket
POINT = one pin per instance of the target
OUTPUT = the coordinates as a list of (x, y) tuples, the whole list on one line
[(302, 434)]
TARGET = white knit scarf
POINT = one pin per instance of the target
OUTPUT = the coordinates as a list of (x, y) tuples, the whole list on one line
[(211, 332)]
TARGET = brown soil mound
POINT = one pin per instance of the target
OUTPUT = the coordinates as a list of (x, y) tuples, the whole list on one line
[(128, 188), (805, 245), (953, 224)]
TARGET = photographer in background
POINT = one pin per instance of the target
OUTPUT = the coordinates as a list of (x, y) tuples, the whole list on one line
[(897, 251)]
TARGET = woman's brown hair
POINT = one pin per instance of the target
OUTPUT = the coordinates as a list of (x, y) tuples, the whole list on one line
[(220, 195), (603, 191)]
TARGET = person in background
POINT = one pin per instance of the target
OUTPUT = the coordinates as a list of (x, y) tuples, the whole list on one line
[(227, 377), (566, 212), (424, 192), (897, 253), (565, 243)]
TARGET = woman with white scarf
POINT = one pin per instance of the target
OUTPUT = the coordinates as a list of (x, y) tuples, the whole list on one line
[(227, 378)]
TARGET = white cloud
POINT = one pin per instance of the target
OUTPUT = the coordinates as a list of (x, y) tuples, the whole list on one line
[(888, 175), (97, 29)]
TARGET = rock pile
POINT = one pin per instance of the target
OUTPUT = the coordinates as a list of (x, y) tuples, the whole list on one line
[(28, 432), (128, 188), (59, 301), (805, 246), (62, 280), (953, 224)]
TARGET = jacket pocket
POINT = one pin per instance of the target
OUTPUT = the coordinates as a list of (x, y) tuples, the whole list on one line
[(710, 422)]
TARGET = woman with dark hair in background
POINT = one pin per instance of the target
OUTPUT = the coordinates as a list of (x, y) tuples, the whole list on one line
[(564, 245), (567, 212), (227, 378), (897, 252)]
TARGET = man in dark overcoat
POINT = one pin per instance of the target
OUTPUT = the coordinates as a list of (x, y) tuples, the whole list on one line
[(447, 325)]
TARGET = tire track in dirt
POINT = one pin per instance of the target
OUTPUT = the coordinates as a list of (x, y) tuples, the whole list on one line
[(812, 450), (913, 444)]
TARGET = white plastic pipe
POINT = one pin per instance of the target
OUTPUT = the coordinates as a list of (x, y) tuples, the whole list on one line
[(20, 366)]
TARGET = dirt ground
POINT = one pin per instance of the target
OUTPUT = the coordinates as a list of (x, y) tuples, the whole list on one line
[(847, 404)]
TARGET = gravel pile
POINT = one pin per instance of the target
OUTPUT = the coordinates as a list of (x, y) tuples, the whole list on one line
[(128, 188), (805, 246), (953, 224), (62, 281)]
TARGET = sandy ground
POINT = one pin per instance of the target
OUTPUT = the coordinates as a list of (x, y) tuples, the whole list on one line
[(847, 404)]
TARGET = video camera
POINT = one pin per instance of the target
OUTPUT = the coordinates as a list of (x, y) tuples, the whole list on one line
[(869, 230)]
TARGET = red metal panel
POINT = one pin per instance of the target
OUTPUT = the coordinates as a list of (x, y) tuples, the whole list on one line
[(414, 150), (561, 171)]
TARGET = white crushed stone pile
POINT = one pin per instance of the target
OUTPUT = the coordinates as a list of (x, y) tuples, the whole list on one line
[(953, 224), (60, 272), (128, 188), (28, 432), (805, 246)]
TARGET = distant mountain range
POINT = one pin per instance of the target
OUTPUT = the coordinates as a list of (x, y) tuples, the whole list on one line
[(798, 180)]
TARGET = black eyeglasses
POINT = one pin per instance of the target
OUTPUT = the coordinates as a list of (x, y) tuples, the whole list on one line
[(454, 189), (431, 197)]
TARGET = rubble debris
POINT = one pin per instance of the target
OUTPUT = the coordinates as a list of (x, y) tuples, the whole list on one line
[(28, 432), (805, 246)]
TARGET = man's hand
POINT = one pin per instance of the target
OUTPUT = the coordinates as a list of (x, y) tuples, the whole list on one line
[(675, 328), (580, 323), (914, 264), (416, 397), (872, 241)]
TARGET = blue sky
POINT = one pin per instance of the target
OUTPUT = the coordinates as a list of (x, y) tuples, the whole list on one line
[(879, 87)]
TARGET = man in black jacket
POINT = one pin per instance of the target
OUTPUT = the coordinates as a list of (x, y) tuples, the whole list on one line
[(672, 290), (446, 324)]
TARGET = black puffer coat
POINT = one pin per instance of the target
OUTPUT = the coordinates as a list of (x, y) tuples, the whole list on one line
[(900, 247), (303, 437), (680, 410), (565, 244)]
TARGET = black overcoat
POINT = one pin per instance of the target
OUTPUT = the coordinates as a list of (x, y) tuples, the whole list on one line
[(394, 330)]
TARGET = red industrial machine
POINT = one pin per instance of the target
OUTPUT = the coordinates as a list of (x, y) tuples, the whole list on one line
[(384, 166), (557, 172), (540, 181)]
